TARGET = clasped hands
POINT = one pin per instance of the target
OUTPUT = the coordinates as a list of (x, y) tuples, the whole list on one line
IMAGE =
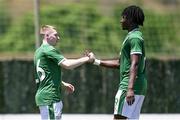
[(90, 55)]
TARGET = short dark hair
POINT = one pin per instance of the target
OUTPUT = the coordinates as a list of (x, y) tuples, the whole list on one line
[(134, 13)]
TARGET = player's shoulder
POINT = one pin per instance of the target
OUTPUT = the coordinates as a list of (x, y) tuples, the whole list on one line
[(136, 35), (38, 50)]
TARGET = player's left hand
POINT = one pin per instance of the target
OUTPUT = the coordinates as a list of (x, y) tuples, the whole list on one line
[(69, 87), (130, 96)]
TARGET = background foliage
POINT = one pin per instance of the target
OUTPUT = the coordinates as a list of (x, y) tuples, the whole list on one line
[(83, 27)]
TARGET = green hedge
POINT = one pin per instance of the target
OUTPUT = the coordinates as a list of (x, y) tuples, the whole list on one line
[(82, 27), (95, 88)]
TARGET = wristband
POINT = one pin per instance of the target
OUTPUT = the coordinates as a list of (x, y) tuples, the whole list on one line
[(97, 62)]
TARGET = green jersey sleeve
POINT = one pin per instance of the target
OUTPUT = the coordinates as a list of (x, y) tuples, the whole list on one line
[(55, 56), (136, 46)]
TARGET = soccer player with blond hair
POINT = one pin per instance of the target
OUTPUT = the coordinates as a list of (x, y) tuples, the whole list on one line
[(48, 64)]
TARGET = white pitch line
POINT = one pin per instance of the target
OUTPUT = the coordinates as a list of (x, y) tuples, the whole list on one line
[(89, 117)]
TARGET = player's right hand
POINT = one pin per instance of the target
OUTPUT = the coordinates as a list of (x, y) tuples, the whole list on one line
[(91, 57)]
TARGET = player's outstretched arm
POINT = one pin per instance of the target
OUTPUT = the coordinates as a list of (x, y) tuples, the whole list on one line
[(69, 87), (73, 63), (111, 63), (107, 63)]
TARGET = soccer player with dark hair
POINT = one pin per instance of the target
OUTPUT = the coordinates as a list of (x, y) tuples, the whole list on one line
[(131, 65), (48, 63)]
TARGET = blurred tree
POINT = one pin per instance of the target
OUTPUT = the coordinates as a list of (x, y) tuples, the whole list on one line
[(4, 18)]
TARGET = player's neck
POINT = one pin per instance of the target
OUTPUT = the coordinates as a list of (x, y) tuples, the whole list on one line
[(45, 42), (132, 27)]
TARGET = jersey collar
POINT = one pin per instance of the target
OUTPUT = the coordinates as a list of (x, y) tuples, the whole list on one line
[(136, 29)]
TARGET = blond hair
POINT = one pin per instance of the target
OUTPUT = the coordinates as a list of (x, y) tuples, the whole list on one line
[(45, 28)]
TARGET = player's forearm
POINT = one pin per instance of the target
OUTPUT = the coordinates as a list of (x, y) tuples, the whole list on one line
[(107, 63), (133, 74), (62, 83), (73, 63)]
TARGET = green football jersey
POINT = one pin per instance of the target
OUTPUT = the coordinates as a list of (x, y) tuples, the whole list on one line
[(133, 44), (47, 75)]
